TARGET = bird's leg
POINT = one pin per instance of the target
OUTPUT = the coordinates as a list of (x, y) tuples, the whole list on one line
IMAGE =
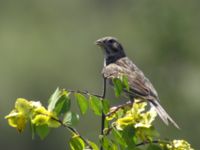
[(131, 98)]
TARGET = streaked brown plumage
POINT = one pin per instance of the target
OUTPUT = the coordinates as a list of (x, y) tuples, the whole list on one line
[(117, 64)]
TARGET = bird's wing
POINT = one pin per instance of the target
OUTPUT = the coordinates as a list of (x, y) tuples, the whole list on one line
[(139, 85)]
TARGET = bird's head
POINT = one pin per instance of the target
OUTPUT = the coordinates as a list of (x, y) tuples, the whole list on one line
[(113, 50)]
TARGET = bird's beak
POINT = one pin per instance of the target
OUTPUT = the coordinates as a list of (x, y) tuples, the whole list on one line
[(99, 43)]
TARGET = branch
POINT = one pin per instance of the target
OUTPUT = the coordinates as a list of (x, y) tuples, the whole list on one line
[(103, 116), (115, 109), (150, 142), (84, 92), (73, 130)]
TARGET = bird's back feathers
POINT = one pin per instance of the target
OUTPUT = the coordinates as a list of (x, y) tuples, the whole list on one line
[(140, 86)]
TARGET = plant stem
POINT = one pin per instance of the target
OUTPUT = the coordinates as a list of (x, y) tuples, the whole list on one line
[(150, 142), (74, 131), (103, 115), (83, 92), (129, 103)]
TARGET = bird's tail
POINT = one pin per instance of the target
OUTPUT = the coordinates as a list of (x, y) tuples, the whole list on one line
[(162, 113)]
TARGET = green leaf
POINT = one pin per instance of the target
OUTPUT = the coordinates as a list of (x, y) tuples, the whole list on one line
[(70, 118), (59, 102), (63, 104), (118, 86), (96, 105), (149, 133), (125, 82), (42, 131), (82, 103), (53, 99), (106, 106), (128, 134), (76, 143), (108, 144), (118, 138), (105, 142), (136, 148), (120, 113), (154, 147), (93, 145)]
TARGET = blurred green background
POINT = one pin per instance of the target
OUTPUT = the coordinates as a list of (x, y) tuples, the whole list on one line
[(46, 43)]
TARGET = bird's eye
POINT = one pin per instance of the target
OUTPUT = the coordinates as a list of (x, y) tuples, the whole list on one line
[(111, 41)]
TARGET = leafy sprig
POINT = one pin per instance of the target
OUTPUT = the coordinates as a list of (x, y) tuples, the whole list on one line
[(127, 126)]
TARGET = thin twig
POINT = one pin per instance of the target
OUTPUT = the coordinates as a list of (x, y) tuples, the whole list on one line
[(129, 103), (83, 92), (103, 116), (150, 142), (73, 131)]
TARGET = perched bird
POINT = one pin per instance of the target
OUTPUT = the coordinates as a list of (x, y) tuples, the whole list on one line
[(116, 63)]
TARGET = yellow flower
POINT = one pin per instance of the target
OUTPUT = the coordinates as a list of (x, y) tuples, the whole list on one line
[(23, 106), (44, 117), (18, 117), (146, 119), (40, 120), (123, 122), (29, 110), (41, 110), (17, 120), (179, 145), (137, 117), (35, 104)]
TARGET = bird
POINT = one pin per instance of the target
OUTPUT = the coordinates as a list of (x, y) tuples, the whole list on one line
[(116, 63)]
